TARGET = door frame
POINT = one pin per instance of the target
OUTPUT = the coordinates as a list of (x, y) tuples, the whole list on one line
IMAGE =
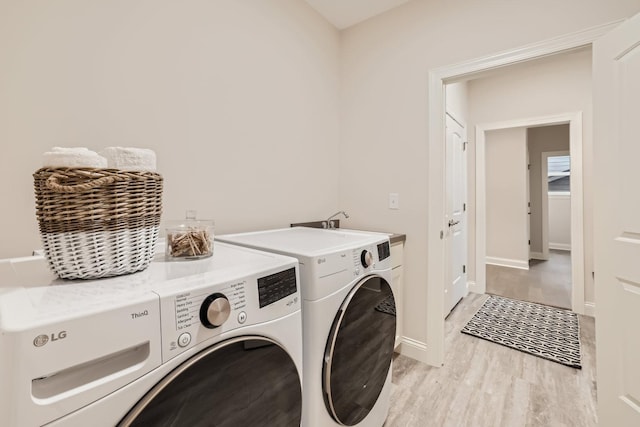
[(437, 78), (577, 196)]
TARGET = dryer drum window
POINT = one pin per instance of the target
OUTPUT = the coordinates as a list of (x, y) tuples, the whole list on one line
[(359, 351), (246, 381)]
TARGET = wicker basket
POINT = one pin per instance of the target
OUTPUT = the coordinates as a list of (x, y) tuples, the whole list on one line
[(97, 222)]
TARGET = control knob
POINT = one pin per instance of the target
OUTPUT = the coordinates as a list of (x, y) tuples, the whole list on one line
[(215, 310), (366, 258)]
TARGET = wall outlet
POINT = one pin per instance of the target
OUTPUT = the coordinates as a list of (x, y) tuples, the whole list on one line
[(394, 201)]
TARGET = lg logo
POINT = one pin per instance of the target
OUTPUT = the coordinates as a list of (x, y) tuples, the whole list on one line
[(41, 340)]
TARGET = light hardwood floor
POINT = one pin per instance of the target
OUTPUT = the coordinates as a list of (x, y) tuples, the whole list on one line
[(483, 384), (546, 282)]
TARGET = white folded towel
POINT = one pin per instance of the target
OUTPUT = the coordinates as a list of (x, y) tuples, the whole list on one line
[(130, 159), (75, 157)]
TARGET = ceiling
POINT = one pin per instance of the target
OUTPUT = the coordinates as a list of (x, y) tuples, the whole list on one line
[(344, 13)]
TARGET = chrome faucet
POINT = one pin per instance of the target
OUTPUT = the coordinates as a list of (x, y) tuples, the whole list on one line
[(328, 223)]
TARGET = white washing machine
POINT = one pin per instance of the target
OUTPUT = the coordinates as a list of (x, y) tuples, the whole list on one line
[(210, 342), (349, 321)]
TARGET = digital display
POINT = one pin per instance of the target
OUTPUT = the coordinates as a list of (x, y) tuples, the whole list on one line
[(384, 251), (276, 286)]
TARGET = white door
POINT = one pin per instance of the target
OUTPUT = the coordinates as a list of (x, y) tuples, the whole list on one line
[(616, 96), (456, 216)]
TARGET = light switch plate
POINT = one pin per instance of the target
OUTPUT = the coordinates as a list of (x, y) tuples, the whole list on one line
[(394, 201)]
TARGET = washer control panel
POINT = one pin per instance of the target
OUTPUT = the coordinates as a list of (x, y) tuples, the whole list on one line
[(195, 308), (214, 310), (193, 313), (276, 286)]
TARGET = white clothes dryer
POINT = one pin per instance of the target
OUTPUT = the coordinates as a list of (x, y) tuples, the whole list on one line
[(215, 341), (349, 321)]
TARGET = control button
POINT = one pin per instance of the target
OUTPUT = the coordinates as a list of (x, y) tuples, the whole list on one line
[(215, 310), (366, 258), (242, 317), (184, 339)]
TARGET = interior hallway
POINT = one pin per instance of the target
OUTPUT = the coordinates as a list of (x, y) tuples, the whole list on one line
[(546, 282), (483, 384)]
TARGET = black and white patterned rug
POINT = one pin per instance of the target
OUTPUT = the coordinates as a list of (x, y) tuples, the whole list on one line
[(547, 332), (387, 305)]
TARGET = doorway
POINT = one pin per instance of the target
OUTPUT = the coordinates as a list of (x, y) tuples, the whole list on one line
[(528, 214), (574, 122), (436, 224)]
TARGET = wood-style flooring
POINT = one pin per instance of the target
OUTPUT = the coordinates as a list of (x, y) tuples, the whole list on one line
[(546, 282), (483, 384)]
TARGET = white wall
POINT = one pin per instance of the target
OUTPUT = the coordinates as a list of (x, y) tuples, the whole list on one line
[(238, 98), (560, 222), (384, 87), (553, 85), (506, 197)]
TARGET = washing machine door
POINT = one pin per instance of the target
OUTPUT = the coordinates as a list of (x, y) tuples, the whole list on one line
[(246, 381), (359, 351)]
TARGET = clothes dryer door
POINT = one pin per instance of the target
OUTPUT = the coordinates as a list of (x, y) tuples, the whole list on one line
[(245, 381), (359, 351)]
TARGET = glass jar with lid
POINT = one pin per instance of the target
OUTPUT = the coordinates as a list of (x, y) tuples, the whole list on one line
[(190, 238)]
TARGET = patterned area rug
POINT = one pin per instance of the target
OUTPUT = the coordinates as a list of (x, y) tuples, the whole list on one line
[(547, 332), (387, 306)]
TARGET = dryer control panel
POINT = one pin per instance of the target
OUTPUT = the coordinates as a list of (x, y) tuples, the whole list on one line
[(384, 250)]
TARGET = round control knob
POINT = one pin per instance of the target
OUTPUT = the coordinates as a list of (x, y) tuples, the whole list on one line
[(366, 258), (215, 310)]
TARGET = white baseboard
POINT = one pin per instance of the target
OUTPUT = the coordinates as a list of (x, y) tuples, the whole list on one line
[(473, 287), (505, 262), (414, 349), (538, 255), (590, 309), (560, 246)]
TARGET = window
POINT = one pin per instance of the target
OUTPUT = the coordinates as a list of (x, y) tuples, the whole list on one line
[(559, 174)]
